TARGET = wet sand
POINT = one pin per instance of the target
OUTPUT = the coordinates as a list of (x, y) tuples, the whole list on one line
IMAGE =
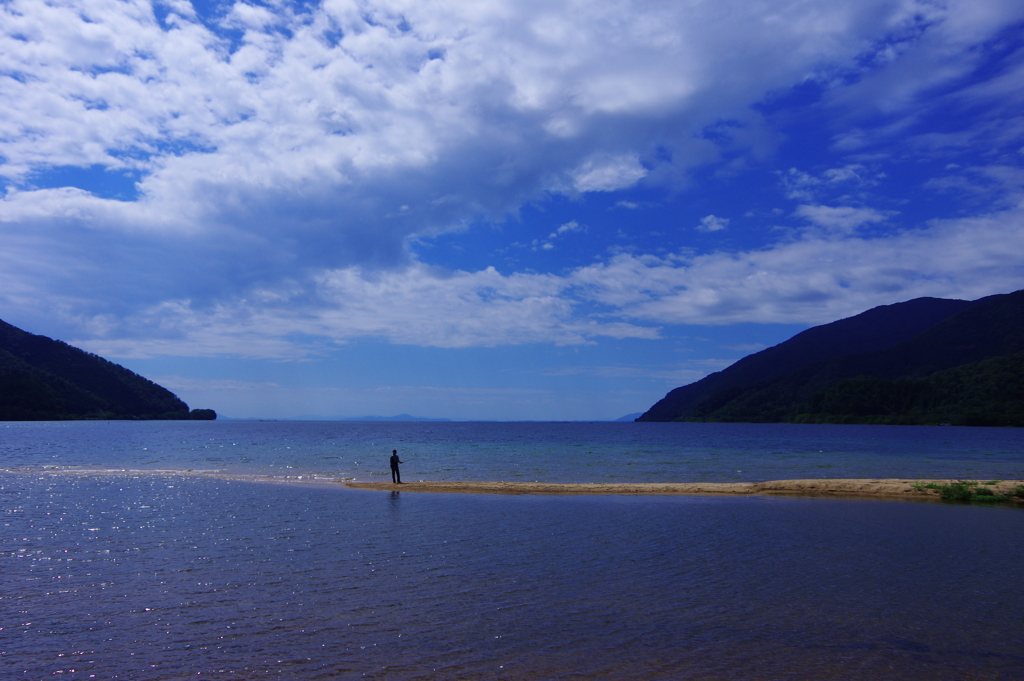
[(890, 488)]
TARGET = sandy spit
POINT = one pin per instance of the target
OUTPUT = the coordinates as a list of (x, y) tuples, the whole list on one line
[(883, 487)]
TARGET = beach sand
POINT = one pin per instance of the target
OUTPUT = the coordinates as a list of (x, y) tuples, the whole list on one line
[(874, 488)]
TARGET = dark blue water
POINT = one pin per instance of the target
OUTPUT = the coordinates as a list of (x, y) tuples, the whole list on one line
[(548, 452), (165, 575)]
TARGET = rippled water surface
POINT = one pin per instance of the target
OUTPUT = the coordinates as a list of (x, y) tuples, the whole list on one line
[(114, 574), (549, 452)]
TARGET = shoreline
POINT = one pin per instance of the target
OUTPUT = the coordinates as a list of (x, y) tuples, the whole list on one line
[(887, 488), (864, 488)]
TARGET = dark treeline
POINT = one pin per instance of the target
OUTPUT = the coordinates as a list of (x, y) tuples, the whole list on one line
[(46, 380), (987, 393), (925, 361)]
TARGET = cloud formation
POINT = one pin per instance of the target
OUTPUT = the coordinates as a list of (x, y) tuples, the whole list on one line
[(712, 223), (812, 280), (274, 162)]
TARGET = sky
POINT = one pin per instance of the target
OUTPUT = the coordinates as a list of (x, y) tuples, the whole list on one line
[(491, 209)]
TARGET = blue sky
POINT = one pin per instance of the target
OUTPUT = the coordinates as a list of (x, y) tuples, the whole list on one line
[(494, 209)]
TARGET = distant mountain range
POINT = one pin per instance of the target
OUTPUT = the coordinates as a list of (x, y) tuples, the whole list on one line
[(924, 361), (46, 380)]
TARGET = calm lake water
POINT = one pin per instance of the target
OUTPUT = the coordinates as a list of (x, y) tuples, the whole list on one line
[(119, 561)]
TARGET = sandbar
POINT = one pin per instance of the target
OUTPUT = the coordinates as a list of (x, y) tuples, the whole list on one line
[(892, 488)]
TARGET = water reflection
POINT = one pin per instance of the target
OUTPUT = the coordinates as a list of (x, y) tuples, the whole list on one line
[(158, 577)]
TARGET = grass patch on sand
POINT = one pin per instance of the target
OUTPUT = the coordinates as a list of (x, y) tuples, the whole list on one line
[(967, 491)]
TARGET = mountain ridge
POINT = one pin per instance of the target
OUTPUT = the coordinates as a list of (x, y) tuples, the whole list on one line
[(978, 331), (875, 329), (42, 379)]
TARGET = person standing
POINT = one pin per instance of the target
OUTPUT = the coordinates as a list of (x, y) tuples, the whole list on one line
[(396, 476)]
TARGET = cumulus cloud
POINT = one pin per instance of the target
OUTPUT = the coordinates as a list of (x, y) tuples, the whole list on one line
[(812, 280), (571, 226), (840, 219), (414, 306), (286, 154), (712, 223), (803, 186), (609, 174), (460, 97), (817, 278)]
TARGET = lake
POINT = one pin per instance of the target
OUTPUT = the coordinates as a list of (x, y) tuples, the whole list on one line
[(159, 550)]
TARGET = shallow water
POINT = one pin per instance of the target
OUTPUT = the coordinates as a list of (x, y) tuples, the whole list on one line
[(167, 576)]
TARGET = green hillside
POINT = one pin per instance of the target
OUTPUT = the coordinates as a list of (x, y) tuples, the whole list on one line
[(986, 393), (42, 380), (876, 329), (961, 369)]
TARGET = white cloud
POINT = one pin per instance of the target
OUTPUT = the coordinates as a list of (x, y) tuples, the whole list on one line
[(104, 83), (817, 278), (854, 172), (571, 226), (801, 186), (607, 174), (414, 306), (812, 280), (283, 170), (915, 84), (840, 219), (712, 223), (994, 184)]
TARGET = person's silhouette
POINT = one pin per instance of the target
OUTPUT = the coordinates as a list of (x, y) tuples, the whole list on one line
[(396, 477)]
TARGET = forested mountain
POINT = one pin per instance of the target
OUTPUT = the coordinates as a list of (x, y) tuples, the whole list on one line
[(811, 376), (43, 379), (986, 393)]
